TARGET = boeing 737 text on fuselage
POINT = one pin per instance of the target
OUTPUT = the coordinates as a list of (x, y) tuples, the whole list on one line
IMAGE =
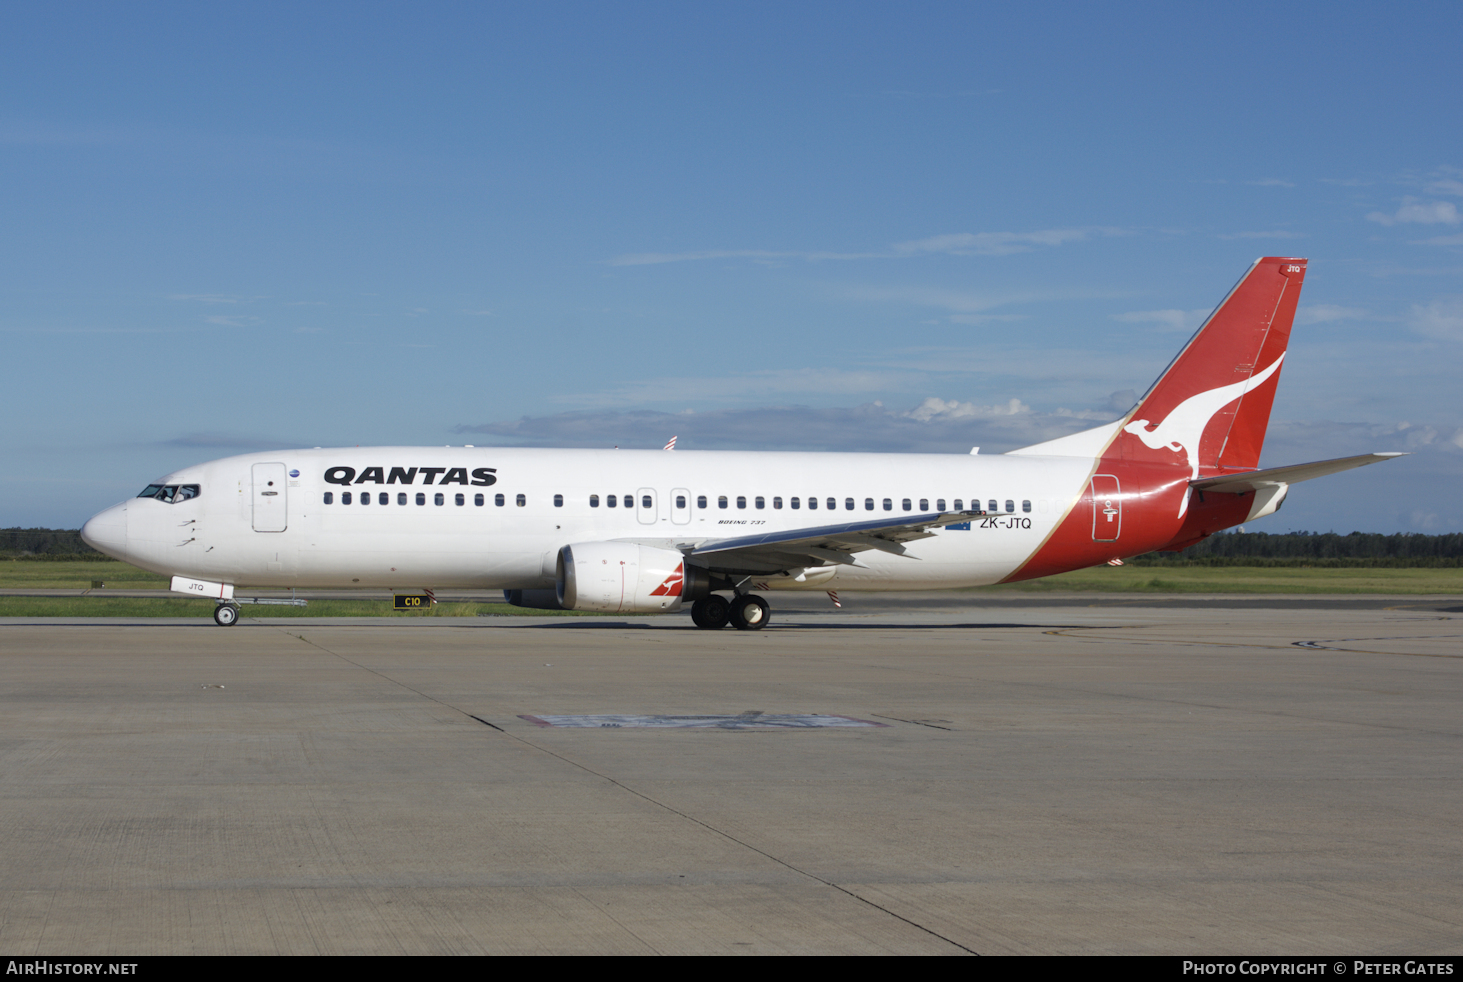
[(651, 531)]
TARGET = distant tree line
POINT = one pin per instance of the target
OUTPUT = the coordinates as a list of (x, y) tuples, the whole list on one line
[(52, 544), (1357, 549)]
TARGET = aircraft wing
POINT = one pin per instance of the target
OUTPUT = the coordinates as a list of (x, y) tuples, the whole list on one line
[(822, 545), (1254, 480)]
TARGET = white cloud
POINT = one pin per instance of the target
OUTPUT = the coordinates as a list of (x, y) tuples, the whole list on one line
[(976, 319), (1173, 320), (1276, 234), (1442, 319), (869, 427), (656, 258), (954, 301), (208, 297), (934, 407), (743, 387), (230, 441), (989, 243), (1272, 182), (952, 244), (1420, 212), (1323, 313)]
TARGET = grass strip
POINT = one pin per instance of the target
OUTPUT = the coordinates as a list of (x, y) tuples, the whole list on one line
[(1243, 579)]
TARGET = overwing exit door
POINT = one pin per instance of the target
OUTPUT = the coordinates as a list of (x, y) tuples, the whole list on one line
[(681, 506), (271, 505), (645, 509)]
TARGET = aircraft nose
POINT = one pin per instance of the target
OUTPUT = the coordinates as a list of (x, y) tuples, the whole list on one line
[(107, 531)]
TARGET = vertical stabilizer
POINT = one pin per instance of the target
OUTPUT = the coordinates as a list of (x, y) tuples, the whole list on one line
[(1210, 407)]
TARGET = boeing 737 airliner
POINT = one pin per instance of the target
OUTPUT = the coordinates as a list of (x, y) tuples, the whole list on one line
[(648, 531)]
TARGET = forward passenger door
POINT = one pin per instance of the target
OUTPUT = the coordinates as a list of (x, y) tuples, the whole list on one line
[(271, 504)]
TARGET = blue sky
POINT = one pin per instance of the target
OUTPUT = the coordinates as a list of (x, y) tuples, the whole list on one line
[(783, 226)]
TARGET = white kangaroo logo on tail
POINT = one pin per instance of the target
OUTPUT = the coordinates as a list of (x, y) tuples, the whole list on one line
[(1185, 424)]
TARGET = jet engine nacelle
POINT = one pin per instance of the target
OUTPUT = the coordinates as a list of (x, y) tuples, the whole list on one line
[(620, 577)]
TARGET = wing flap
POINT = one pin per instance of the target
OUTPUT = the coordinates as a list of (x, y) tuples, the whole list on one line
[(824, 545)]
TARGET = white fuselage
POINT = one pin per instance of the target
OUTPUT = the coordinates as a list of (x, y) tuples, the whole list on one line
[(404, 544)]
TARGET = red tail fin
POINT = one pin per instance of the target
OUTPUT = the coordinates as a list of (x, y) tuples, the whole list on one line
[(1212, 404)]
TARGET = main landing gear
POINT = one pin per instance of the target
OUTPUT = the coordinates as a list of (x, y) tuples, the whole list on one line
[(747, 612), (226, 615)]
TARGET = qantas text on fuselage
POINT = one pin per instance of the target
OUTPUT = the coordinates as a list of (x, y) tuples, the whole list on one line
[(651, 531)]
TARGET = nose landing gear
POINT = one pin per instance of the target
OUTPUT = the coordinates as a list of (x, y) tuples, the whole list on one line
[(226, 615)]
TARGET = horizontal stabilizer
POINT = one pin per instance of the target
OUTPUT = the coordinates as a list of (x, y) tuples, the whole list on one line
[(1254, 480)]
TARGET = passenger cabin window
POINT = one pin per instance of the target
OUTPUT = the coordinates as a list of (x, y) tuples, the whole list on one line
[(776, 502), (520, 500), (401, 498), (760, 501), (680, 502), (1010, 505), (795, 503), (459, 499), (869, 504), (610, 501), (701, 501), (558, 501), (329, 497), (439, 498), (646, 501), (888, 504), (939, 504), (991, 505), (741, 501), (383, 498), (721, 501), (345, 497), (365, 497), (958, 506), (477, 499), (594, 501), (498, 500), (812, 504), (421, 498), (1026, 506), (924, 505)]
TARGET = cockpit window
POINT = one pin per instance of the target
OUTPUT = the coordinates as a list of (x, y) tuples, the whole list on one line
[(170, 493)]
